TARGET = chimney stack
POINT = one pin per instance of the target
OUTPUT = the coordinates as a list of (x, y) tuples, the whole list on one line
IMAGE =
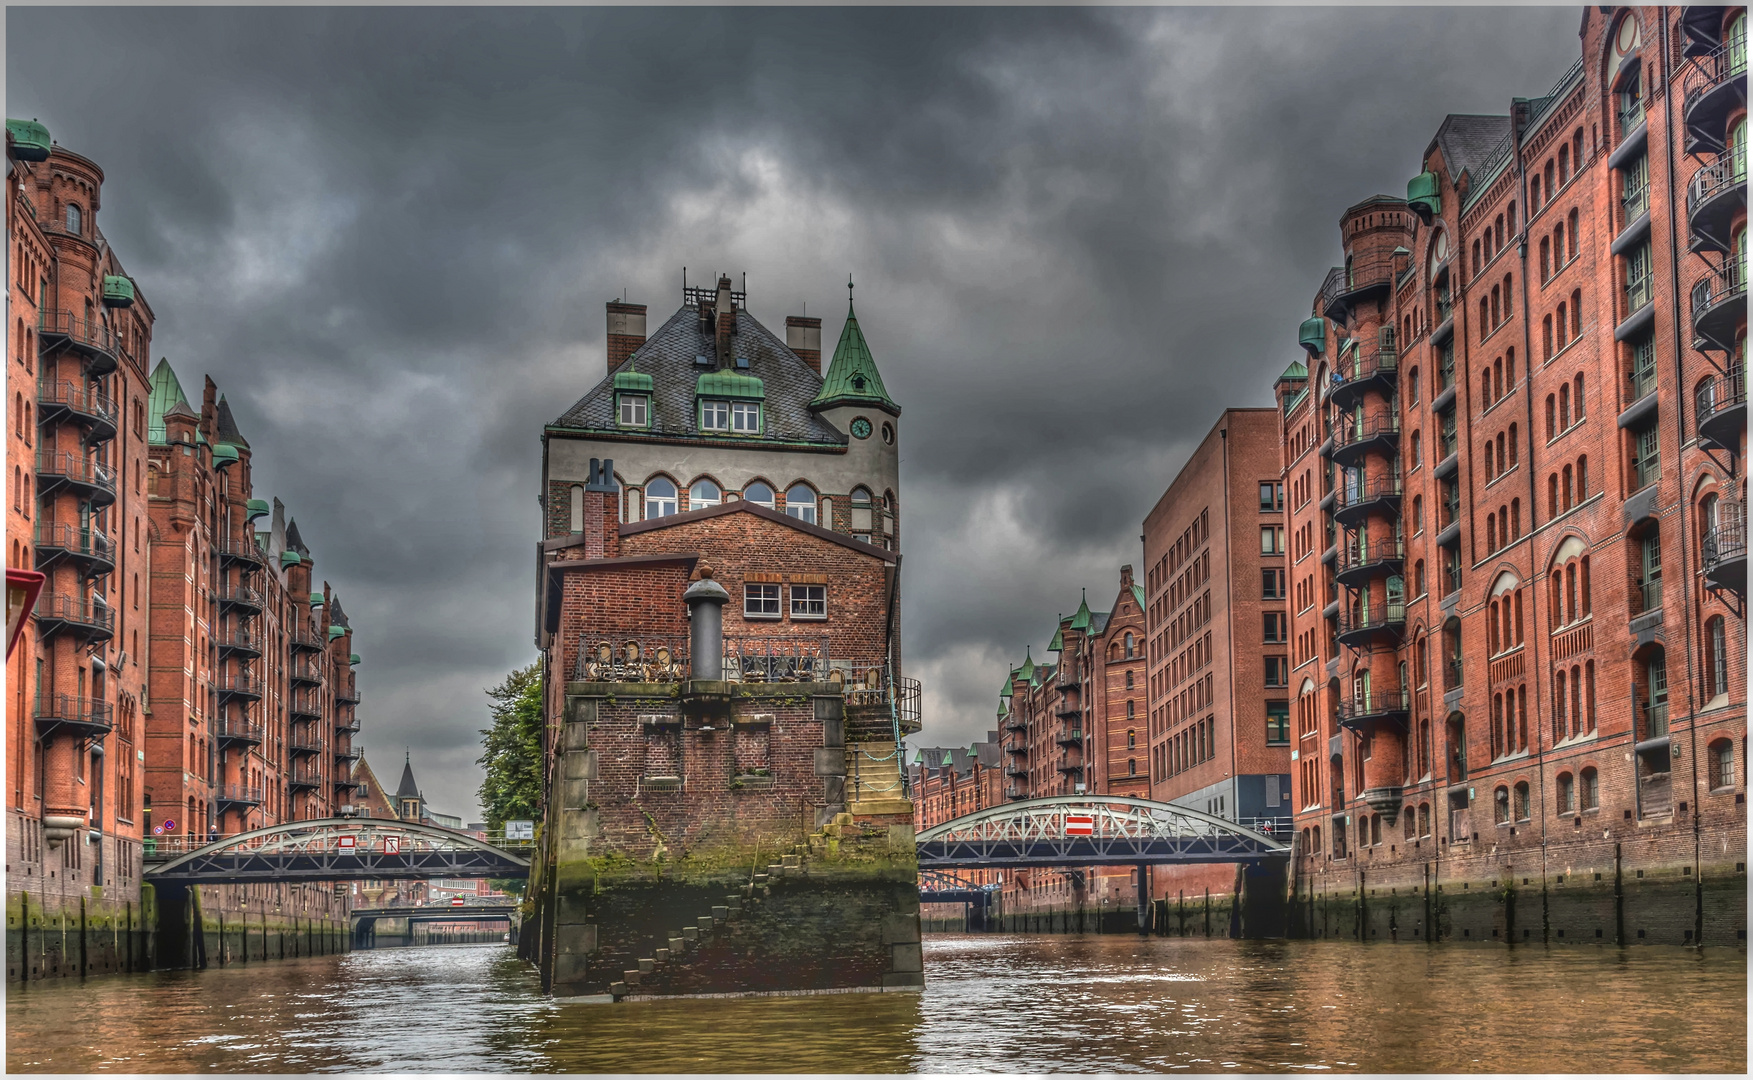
[(725, 322), (1126, 577), (803, 336), (706, 599), (626, 331)]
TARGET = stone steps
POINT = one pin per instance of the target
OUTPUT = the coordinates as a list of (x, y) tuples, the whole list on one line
[(873, 779)]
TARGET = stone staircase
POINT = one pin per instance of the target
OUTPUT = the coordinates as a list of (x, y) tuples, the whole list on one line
[(687, 939), (873, 779)]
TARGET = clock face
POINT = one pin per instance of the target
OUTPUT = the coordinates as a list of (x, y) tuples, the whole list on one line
[(861, 428)]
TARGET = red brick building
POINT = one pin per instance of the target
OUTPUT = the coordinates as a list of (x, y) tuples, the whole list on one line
[(1516, 521), (154, 683)]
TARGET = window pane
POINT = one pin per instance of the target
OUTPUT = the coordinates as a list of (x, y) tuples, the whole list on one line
[(761, 600), (715, 415), (660, 498), (809, 601), (800, 503), (759, 494), (704, 493)]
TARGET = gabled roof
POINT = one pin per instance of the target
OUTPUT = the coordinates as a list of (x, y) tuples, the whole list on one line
[(1296, 370), (225, 427), (1099, 622), (852, 377), (668, 358), (743, 506), (1466, 141), (167, 393), (1138, 595)]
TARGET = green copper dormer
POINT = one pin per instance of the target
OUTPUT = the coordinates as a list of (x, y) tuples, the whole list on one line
[(224, 454), (1081, 621), (1423, 197), (118, 291), (256, 508), (353, 659), (290, 559), (852, 377), (316, 598), (30, 140), (1312, 335), (336, 631), (166, 392), (638, 382), (726, 384), (1296, 370)]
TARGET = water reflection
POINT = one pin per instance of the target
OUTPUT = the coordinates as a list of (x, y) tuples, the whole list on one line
[(993, 1003)]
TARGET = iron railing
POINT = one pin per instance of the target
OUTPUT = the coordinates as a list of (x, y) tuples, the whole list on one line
[(77, 469), (1712, 180), (1372, 489), (87, 712), (238, 731), (1725, 542), (1385, 616), (1652, 719), (241, 596), (57, 607), (240, 550), (1720, 395), (241, 685), (1374, 702), (1726, 61), (238, 640), (238, 793), (1359, 274), (1642, 383), (1650, 593), (1353, 430), (1633, 201), (73, 397), (55, 326), (1630, 115), (1718, 287), (75, 540), (1639, 291)]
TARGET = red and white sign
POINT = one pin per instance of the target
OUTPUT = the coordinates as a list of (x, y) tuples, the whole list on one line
[(392, 845), (456, 901), (347, 843), (1076, 825)]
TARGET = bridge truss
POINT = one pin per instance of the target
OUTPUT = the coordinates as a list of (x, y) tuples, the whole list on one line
[(1091, 830), (343, 849)]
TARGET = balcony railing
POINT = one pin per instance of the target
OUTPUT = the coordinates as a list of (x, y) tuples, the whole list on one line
[(55, 611), (1630, 114), (57, 539), (1632, 204), (1652, 719), (91, 337), (1376, 618), (1374, 704), (81, 401), (1452, 674), (1071, 736), (1364, 555), (1361, 275), (347, 695), (83, 715), (304, 674), (241, 596), (238, 551), (1640, 384), (241, 794), (1650, 594), (304, 778), (1714, 315), (233, 730), (1726, 542), (304, 640), (239, 686), (1639, 291), (1371, 490), (78, 470)]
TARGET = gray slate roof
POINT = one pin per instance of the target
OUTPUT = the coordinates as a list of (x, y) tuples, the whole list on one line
[(225, 426), (668, 357), (1467, 141), (1099, 622)]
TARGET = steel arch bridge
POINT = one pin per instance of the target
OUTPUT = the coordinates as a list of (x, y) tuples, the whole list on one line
[(1091, 830), (342, 849)]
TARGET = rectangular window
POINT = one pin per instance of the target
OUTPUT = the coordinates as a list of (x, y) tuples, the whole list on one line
[(1271, 539), (635, 410), (1646, 460), (715, 415), (809, 601), (1276, 627), (760, 601), (1272, 584), (1271, 496), (1277, 671), (745, 417), (1277, 722)]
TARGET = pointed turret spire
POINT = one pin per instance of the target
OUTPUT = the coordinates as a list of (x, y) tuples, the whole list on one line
[(167, 392), (225, 427), (407, 789), (294, 542), (1082, 620), (852, 377)]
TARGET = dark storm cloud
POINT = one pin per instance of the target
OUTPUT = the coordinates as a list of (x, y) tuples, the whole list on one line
[(1078, 234)]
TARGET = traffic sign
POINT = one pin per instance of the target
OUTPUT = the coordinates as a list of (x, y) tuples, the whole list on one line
[(347, 842), (1079, 825), (392, 845), (170, 825), (520, 830)]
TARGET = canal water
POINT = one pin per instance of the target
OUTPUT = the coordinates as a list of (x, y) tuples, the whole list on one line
[(992, 1003)]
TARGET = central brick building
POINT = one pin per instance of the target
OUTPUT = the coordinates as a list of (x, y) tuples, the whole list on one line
[(718, 606)]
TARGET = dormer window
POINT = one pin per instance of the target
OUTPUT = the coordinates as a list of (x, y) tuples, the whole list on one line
[(635, 410), (745, 417), (715, 416), (730, 402), (633, 399)]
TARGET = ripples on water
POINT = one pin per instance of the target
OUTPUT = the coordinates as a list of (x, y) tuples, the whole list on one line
[(992, 1004)]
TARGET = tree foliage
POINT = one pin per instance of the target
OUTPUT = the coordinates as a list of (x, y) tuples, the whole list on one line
[(512, 749)]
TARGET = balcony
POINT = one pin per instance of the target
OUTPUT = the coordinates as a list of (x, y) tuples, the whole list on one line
[(1362, 279), (303, 674), (349, 726), (1361, 373), (238, 643), (1374, 707), (92, 340), (1016, 746), (1639, 292), (1068, 766), (1067, 705), (346, 753), (84, 620), (1722, 411), (1016, 791), (303, 780), (1719, 302), (87, 548), (58, 470), (1377, 495), (1013, 722), (70, 402), (1354, 437), (1634, 206), (238, 551), (305, 707), (1017, 770), (304, 640), (1363, 562), (241, 597), (1379, 621), (238, 731), (1069, 736), (302, 745), (88, 718), (1716, 87), (346, 695), (1630, 117), (239, 686), (1725, 553), (1714, 198), (237, 795), (1069, 674)]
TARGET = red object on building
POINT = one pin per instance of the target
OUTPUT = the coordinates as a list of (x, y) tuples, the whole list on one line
[(1080, 826), (22, 589)]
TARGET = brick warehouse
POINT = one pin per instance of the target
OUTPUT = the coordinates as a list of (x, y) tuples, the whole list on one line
[(143, 665), (718, 608), (1516, 517)]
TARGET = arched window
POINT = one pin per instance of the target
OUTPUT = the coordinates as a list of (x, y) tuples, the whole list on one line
[(74, 219), (1571, 246), (1500, 802), (759, 494), (1576, 398), (1131, 737), (1131, 766), (1128, 679), (1589, 789), (1716, 657), (861, 496), (1576, 315), (704, 493), (1566, 793), (660, 497), (1521, 800), (800, 503), (1721, 760), (1129, 645)]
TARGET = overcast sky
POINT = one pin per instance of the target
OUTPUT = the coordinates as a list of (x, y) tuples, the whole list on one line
[(1078, 234)]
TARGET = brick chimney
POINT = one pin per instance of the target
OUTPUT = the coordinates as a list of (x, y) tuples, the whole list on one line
[(626, 331), (1126, 577), (725, 322), (803, 336), (208, 393)]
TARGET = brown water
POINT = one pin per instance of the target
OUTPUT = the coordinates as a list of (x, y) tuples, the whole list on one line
[(992, 1004)]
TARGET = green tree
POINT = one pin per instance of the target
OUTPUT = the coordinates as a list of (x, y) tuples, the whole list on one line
[(512, 754)]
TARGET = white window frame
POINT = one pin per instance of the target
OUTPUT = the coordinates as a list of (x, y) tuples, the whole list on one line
[(638, 404), (715, 416), (756, 598), (813, 605), (745, 417)]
